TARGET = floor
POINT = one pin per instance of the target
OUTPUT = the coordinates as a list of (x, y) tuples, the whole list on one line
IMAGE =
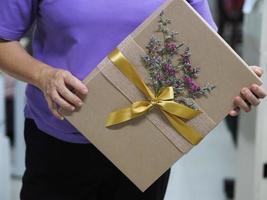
[(198, 175), (16, 185)]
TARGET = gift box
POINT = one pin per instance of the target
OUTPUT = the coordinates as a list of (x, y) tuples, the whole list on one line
[(159, 93)]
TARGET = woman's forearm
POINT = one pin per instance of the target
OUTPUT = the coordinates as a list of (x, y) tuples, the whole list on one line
[(15, 61), (54, 83)]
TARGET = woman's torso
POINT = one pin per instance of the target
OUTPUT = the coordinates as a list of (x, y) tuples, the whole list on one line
[(76, 36)]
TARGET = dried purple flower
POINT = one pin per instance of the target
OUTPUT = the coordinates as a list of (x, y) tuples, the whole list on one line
[(164, 72), (169, 70), (171, 46)]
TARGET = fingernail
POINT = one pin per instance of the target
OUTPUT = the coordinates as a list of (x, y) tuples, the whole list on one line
[(259, 71), (80, 103), (255, 87), (85, 90), (232, 113), (244, 91)]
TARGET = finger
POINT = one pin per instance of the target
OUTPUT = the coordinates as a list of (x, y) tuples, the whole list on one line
[(69, 96), (239, 102), (56, 112), (53, 108), (258, 91), (75, 83), (61, 102), (257, 70), (235, 112), (250, 97)]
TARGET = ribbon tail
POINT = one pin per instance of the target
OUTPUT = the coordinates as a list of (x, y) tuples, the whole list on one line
[(189, 133), (122, 63), (121, 116), (179, 110)]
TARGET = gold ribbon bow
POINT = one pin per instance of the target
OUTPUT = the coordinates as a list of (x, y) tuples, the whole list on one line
[(176, 113)]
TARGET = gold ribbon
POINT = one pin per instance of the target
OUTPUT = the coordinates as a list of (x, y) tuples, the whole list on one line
[(176, 113)]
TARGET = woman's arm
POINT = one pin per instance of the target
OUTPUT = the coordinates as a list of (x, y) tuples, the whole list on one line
[(54, 83), (15, 61)]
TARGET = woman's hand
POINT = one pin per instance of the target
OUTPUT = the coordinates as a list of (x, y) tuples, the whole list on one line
[(57, 86), (249, 96)]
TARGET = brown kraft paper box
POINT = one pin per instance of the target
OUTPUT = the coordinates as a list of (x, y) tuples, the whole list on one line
[(144, 148)]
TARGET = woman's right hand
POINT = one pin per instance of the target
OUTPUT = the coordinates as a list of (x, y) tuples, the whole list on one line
[(57, 86)]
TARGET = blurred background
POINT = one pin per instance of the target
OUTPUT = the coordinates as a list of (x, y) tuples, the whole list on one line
[(230, 164)]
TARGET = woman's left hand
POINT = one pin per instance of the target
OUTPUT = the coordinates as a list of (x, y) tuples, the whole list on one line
[(249, 96)]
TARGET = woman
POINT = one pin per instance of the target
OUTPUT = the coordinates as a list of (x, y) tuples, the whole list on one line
[(71, 38)]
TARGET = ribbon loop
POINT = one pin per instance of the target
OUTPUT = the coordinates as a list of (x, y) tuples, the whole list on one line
[(166, 94), (141, 107), (176, 113)]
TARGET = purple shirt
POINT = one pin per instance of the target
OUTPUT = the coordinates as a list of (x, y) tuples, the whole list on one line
[(74, 35)]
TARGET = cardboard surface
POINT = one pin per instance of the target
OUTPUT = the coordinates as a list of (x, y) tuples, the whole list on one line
[(144, 148)]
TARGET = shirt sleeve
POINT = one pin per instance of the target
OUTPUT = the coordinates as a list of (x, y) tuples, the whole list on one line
[(16, 17), (202, 7)]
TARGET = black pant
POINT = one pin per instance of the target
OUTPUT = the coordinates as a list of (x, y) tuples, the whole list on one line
[(57, 170)]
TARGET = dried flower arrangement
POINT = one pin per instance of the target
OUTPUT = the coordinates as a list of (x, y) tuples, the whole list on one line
[(168, 64)]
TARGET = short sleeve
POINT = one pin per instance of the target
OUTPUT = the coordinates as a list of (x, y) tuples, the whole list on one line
[(16, 16), (202, 7)]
